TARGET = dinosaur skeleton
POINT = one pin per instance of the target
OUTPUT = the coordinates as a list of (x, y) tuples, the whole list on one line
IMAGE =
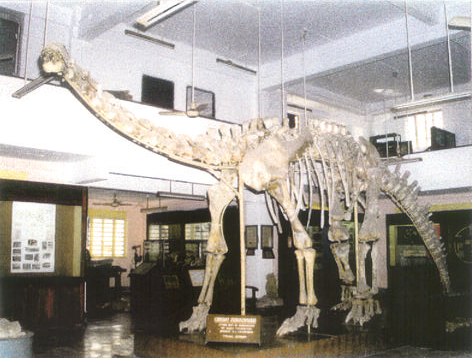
[(340, 172)]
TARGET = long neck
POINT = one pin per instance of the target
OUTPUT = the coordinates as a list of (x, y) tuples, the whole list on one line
[(163, 141)]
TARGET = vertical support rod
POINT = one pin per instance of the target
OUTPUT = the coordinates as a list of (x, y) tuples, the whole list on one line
[(282, 85), (410, 62), (449, 57), (356, 241), (46, 24), (242, 244), (259, 58), (27, 42)]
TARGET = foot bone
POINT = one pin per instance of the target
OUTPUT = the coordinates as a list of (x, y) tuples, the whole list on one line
[(347, 295), (305, 316), (197, 322), (363, 310)]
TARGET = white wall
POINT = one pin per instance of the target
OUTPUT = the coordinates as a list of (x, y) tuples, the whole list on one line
[(258, 268), (441, 169), (119, 61), (52, 119)]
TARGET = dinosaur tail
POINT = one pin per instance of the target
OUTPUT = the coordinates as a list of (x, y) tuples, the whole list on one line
[(405, 196)]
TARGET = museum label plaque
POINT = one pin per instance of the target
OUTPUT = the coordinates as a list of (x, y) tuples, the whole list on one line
[(233, 329)]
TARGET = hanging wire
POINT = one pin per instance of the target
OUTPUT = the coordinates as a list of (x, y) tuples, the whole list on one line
[(193, 51), (304, 75), (449, 58), (46, 24), (412, 91), (259, 62), (27, 40), (282, 56)]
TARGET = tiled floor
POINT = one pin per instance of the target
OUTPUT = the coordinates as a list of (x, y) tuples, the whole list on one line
[(104, 338), (114, 337)]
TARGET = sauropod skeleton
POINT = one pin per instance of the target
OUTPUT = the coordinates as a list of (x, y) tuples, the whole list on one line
[(268, 156)]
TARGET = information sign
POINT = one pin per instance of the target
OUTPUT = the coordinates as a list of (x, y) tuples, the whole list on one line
[(233, 329)]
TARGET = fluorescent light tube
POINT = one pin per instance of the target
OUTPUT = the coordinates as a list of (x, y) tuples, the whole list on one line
[(183, 196), (459, 23), (141, 36), (162, 11), (430, 101), (157, 209), (235, 65)]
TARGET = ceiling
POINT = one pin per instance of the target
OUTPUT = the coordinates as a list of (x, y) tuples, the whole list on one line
[(231, 30)]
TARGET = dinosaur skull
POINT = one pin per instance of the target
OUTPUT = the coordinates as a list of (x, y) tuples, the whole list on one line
[(53, 59)]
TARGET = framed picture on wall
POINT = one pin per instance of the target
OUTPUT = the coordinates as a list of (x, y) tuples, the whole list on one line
[(251, 239), (205, 101), (267, 241)]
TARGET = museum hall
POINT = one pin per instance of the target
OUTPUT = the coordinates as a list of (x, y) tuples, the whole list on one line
[(235, 178)]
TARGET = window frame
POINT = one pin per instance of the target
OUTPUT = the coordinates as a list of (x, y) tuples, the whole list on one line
[(17, 17), (115, 216), (419, 130)]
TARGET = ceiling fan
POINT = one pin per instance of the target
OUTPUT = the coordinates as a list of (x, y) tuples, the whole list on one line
[(115, 203), (194, 109), (192, 112)]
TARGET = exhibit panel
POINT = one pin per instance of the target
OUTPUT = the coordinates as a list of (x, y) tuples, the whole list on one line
[(42, 238), (415, 300)]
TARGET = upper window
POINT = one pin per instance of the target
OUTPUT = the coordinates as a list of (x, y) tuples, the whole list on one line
[(107, 234), (157, 92), (10, 32), (418, 128)]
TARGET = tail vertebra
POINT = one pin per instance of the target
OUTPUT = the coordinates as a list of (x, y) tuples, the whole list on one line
[(405, 196)]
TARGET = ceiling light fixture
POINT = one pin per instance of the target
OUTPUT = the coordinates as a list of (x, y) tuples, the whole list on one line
[(235, 65), (144, 37), (431, 101), (182, 196), (162, 11), (157, 209), (460, 23)]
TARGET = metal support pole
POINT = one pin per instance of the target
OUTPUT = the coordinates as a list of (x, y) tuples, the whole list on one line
[(410, 61), (449, 58), (242, 244), (356, 242)]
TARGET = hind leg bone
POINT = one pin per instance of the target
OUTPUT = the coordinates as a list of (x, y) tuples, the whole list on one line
[(307, 313), (219, 196)]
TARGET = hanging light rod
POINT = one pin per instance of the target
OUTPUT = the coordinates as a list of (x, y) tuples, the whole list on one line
[(149, 38), (162, 11), (431, 101), (235, 65), (183, 196)]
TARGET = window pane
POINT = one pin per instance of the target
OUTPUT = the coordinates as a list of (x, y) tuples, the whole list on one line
[(107, 237), (418, 128)]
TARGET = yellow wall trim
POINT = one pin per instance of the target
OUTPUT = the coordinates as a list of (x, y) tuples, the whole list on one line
[(108, 214), (13, 174)]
